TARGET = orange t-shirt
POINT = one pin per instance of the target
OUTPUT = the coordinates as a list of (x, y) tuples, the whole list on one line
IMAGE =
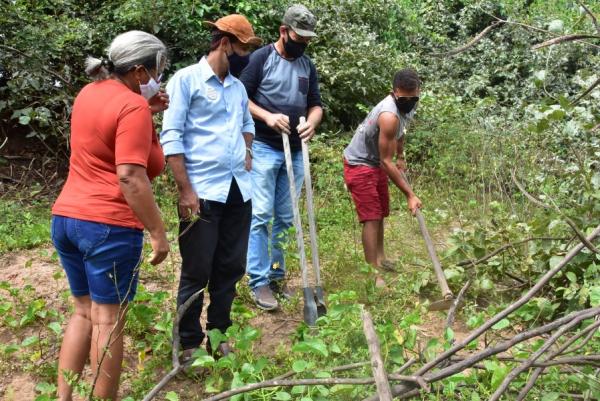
[(110, 125)]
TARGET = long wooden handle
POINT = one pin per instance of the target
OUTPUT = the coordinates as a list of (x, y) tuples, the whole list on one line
[(311, 211), (297, 221), (437, 266)]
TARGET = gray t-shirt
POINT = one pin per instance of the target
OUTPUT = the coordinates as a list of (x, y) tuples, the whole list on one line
[(364, 147)]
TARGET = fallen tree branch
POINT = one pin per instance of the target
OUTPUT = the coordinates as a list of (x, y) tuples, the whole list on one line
[(537, 354), (455, 304), (331, 381), (402, 388), (562, 39), (177, 367), (568, 220), (381, 381), (472, 263), (587, 91), (472, 360), (591, 329), (471, 43), (592, 16)]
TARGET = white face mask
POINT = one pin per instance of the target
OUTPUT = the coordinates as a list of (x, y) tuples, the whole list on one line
[(150, 89)]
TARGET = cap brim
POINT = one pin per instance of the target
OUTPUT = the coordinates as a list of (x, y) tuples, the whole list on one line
[(304, 32), (253, 40)]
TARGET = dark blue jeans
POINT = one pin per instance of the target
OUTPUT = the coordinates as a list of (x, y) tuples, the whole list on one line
[(213, 252), (100, 260)]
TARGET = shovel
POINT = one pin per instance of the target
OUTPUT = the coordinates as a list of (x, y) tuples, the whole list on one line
[(310, 307), (448, 300), (314, 248)]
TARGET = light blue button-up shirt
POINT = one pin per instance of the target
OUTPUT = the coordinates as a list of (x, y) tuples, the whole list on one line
[(204, 122)]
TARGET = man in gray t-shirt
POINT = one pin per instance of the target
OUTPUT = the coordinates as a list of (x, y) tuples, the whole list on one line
[(368, 162)]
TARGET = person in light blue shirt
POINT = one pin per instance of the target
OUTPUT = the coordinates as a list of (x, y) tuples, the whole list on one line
[(207, 139)]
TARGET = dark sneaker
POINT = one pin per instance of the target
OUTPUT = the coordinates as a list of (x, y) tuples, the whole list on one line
[(389, 266), (222, 350), (264, 299), (187, 358), (280, 289)]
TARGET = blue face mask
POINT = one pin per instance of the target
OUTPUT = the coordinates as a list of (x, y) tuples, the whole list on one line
[(237, 63)]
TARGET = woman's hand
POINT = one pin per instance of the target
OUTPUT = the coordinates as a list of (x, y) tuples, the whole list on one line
[(159, 102)]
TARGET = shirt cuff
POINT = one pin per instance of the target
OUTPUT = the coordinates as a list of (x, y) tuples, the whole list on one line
[(249, 129), (171, 142)]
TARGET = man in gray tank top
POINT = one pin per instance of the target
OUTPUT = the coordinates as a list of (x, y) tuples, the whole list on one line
[(368, 162)]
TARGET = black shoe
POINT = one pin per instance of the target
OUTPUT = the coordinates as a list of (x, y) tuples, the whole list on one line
[(280, 289)]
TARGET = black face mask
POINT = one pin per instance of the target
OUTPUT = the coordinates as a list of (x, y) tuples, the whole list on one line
[(292, 48), (405, 104), (237, 63)]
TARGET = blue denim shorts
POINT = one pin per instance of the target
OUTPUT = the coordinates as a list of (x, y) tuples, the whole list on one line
[(100, 260)]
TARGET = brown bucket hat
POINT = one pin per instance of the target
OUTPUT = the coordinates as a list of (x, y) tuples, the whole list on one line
[(237, 25)]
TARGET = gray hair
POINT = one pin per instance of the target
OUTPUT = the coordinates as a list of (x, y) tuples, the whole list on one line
[(126, 51)]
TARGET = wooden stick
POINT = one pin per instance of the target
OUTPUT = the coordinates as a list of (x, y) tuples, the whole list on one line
[(562, 39), (536, 355), (381, 380), (472, 263), (177, 367), (592, 16), (471, 43)]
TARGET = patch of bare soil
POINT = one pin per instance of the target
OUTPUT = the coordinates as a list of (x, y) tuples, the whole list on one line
[(20, 387)]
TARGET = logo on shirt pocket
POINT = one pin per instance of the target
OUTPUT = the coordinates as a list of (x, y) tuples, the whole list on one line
[(303, 85)]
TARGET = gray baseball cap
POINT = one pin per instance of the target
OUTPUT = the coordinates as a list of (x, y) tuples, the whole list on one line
[(301, 20)]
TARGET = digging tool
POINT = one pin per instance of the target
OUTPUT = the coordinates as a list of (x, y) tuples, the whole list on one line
[(310, 306), (314, 248), (448, 300)]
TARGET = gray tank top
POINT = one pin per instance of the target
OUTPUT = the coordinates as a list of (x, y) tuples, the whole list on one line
[(364, 147)]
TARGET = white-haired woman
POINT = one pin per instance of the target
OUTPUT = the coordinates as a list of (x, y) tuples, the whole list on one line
[(107, 201)]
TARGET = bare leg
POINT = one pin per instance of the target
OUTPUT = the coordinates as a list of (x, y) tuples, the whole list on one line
[(107, 348), (380, 250), (75, 346), (370, 234), (370, 240)]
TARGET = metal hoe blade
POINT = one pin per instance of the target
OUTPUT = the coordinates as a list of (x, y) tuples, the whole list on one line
[(318, 291), (310, 307)]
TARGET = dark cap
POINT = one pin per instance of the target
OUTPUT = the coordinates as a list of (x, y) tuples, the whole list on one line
[(238, 26), (301, 20)]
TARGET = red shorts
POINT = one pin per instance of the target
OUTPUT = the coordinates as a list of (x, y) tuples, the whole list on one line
[(369, 189)]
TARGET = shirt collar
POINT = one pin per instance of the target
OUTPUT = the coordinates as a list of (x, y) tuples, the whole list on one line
[(207, 73)]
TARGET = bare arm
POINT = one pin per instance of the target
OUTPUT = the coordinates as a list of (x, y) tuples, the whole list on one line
[(248, 138), (188, 199), (136, 188), (400, 162), (388, 125)]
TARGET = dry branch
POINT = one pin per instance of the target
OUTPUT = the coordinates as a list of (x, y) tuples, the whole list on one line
[(592, 16), (472, 360), (568, 220), (537, 354), (591, 329), (455, 304), (455, 368), (471, 43), (587, 91), (381, 381), (472, 263), (177, 367), (562, 39)]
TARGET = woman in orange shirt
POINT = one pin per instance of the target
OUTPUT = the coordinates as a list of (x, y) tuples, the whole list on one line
[(107, 201)]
